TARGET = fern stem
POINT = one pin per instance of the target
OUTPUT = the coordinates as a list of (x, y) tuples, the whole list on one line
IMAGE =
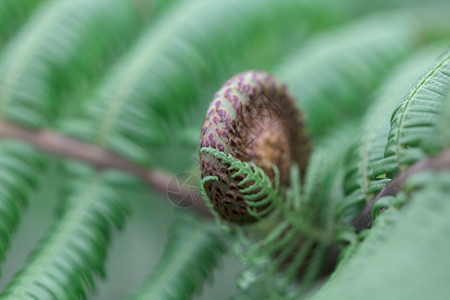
[(55, 143)]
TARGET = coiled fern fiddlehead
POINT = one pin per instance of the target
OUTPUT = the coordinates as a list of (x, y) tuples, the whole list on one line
[(252, 119), (254, 155)]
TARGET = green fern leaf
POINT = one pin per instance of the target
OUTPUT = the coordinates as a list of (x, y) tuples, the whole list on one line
[(12, 15), (62, 45), (191, 254), (333, 73), (20, 168), (362, 183), (376, 271), (324, 179), (415, 119), (67, 261), (442, 137)]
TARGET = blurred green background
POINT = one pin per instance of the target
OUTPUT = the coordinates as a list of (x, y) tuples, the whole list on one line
[(136, 77)]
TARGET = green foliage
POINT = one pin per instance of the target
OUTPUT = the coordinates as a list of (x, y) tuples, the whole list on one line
[(369, 262), (418, 232), (19, 169), (12, 15), (72, 254), (415, 119), (362, 180), (55, 51), (333, 72), (295, 240), (189, 258), (129, 75), (442, 135)]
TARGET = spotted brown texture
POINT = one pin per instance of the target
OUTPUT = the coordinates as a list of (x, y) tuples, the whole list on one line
[(253, 118)]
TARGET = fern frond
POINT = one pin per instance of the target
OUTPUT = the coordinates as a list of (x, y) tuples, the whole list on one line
[(375, 263), (12, 15), (190, 257), (64, 44), (362, 183), (256, 187), (197, 44), (68, 260), (332, 75), (20, 169), (415, 119)]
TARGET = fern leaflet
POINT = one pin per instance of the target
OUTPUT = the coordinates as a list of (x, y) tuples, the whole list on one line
[(69, 258), (256, 186), (363, 179), (58, 48), (415, 119), (20, 169)]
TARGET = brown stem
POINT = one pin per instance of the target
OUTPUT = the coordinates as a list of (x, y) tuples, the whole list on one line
[(437, 163), (55, 143)]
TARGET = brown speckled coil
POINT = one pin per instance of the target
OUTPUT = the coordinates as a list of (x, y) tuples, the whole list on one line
[(253, 118)]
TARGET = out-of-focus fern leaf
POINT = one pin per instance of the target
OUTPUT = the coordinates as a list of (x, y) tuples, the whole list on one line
[(414, 120), (12, 14), (64, 44), (191, 254), (361, 184), (67, 261), (370, 6), (332, 75), (20, 167), (442, 133), (259, 291), (323, 182), (196, 43), (399, 258), (41, 62)]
